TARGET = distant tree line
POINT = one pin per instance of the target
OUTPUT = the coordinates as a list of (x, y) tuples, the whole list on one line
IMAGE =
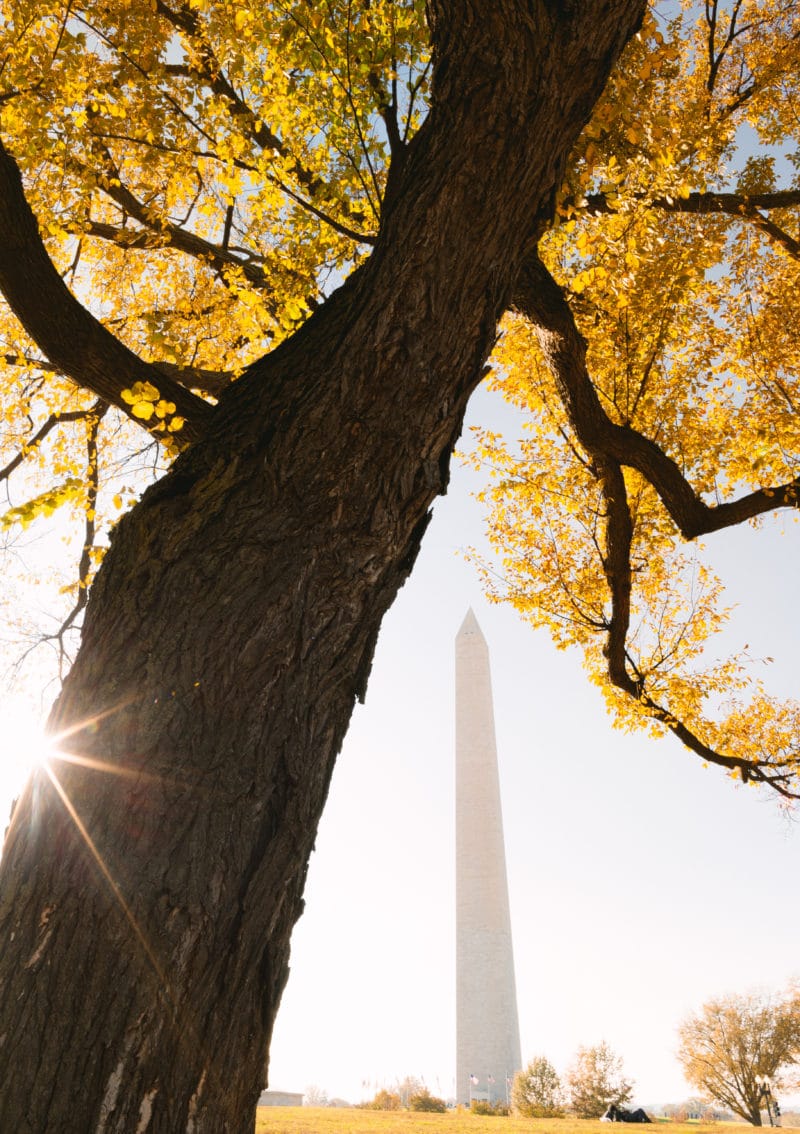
[(696, 1109), (408, 1094)]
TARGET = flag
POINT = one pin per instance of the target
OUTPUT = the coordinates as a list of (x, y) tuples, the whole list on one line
[(491, 1078), (474, 1080)]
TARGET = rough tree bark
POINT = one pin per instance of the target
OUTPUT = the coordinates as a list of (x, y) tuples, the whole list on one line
[(147, 902)]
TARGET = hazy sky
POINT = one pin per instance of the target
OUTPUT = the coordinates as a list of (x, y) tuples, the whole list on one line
[(640, 883)]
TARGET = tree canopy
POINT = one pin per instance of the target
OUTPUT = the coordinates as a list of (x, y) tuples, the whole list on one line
[(205, 174), (202, 175), (653, 351), (425, 1101), (735, 1043)]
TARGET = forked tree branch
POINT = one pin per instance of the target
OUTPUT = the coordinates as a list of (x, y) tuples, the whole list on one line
[(71, 337), (542, 301), (610, 447), (158, 233), (779, 774)]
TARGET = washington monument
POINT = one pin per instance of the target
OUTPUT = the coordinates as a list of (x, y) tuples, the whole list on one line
[(487, 1028)]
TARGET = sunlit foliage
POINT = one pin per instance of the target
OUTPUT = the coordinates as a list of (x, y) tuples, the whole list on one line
[(203, 173), (660, 378)]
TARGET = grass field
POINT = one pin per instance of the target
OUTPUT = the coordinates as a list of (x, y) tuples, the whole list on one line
[(309, 1120)]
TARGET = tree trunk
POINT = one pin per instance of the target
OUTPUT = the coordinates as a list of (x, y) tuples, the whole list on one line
[(149, 890)]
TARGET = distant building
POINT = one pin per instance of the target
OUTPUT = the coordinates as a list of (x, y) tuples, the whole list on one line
[(281, 1098)]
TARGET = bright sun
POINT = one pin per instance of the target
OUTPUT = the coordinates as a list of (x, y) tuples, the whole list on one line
[(23, 747)]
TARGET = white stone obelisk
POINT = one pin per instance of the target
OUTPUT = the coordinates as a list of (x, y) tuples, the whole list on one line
[(487, 1027)]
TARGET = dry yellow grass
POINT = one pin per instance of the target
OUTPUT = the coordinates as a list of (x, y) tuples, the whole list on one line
[(309, 1120)]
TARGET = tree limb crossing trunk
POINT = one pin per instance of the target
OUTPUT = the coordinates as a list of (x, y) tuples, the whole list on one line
[(148, 895)]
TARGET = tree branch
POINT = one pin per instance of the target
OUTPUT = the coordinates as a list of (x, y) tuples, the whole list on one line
[(71, 337), (49, 425), (773, 231), (96, 415), (208, 68), (90, 526), (542, 301), (735, 204), (610, 446), (715, 58), (778, 774), (158, 233), (746, 206), (211, 382)]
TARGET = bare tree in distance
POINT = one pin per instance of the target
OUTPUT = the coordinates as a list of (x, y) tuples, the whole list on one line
[(315, 1096)]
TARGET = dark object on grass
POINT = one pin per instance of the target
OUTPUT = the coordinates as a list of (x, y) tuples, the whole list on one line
[(620, 1114)]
